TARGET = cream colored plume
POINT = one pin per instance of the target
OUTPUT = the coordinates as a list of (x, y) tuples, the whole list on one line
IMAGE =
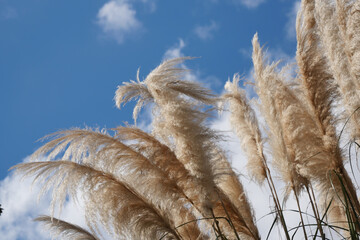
[(348, 19), (244, 122), (109, 202), (112, 156), (180, 115), (65, 230), (353, 24), (165, 159), (316, 78), (320, 91), (233, 197), (179, 120), (232, 194), (133, 90), (339, 56), (279, 106)]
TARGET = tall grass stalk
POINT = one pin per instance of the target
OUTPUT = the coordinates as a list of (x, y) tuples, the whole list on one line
[(245, 124), (315, 209), (278, 207), (300, 213)]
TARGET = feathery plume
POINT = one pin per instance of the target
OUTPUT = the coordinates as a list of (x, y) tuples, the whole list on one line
[(348, 18), (232, 195), (165, 159), (276, 105), (193, 141), (109, 201), (133, 90), (320, 92), (354, 44), (65, 230), (180, 120), (112, 156), (181, 127), (244, 122), (316, 80), (339, 62)]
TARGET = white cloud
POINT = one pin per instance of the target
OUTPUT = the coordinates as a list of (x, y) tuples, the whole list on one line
[(277, 54), (118, 19), (9, 13), (175, 51), (20, 207), (150, 5), (206, 32), (246, 52), (20, 202), (290, 25), (249, 3)]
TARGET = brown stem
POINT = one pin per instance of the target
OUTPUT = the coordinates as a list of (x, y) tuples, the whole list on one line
[(301, 218), (317, 216), (275, 197)]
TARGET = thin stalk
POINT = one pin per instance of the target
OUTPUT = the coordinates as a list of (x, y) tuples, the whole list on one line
[(301, 218), (351, 195), (278, 206), (272, 226), (230, 221), (276, 198), (315, 204), (217, 226), (351, 212), (316, 207), (317, 217), (192, 221)]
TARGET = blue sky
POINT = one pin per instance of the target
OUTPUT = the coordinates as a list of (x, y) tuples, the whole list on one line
[(61, 61), (59, 67)]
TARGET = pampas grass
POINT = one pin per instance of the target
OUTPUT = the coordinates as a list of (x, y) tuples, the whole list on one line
[(64, 229), (175, 182), (245, 124)]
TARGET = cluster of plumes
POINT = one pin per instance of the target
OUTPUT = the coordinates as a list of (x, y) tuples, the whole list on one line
[(179, 122), (168, 184), (173, 182), (299, 113)]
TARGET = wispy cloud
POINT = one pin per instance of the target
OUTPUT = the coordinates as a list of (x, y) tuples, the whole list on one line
[(117, 19), (150, 4), (246, 52), (175, 51), (21, 205), (249, 3), (277, 54), (290, 25), (9, 13), (207, 31)]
